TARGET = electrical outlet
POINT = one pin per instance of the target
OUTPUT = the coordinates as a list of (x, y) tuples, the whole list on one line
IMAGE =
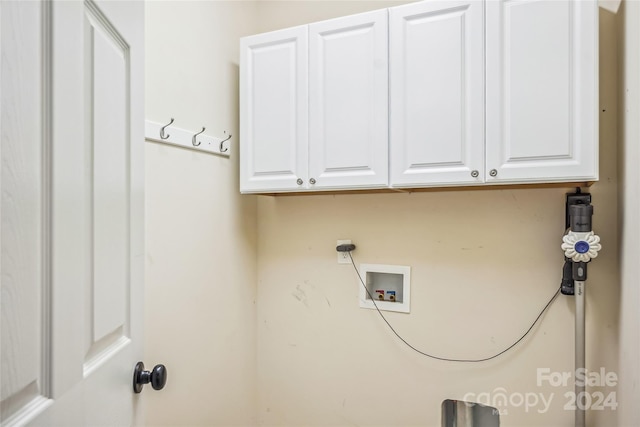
[(343, 257)]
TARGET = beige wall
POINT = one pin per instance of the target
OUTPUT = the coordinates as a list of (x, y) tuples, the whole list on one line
[(275, 15), (308, 355), (629, 192), (201, 234), (483, 264)]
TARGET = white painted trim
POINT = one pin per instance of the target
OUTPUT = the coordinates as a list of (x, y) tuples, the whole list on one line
[(611, 5), (183, 138), (28, 412), (99, 359)]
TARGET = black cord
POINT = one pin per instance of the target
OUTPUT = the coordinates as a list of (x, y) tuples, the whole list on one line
[(446, 358)]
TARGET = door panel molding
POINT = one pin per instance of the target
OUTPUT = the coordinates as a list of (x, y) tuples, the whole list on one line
[(107, 174), (103, 22), (26, 124), (103, 350), (47, 194)]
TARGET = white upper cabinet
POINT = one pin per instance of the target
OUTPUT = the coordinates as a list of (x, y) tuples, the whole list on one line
[(429, 94), (348, 102), (273, 109), (314, 106), (436, 93), (542, 91)]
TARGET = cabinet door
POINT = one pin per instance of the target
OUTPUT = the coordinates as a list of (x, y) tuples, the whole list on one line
[(542, 90), (274, 111), (348, 110), (437, 93)]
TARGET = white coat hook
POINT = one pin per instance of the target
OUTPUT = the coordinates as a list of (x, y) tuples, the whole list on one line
[(193, 138), (162, 134)]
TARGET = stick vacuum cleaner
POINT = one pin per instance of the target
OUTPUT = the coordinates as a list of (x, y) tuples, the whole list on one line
[(580, 245)]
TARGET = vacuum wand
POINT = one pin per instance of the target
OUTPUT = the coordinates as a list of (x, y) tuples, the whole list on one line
[(580, 245), (580, 217)]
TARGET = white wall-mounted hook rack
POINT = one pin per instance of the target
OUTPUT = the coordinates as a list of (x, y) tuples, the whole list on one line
[(183, 138)]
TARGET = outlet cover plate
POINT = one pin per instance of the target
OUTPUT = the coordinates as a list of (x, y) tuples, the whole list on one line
[(343, 257)]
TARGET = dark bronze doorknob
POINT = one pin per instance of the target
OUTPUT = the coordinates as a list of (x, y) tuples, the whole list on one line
[(157, 377)]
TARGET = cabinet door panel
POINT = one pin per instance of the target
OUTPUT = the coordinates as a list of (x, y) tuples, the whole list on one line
[(274, 110), (348, 90), (542, 122), (437, 93)]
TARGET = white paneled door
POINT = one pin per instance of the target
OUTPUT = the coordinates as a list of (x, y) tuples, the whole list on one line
[(71, 211)]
